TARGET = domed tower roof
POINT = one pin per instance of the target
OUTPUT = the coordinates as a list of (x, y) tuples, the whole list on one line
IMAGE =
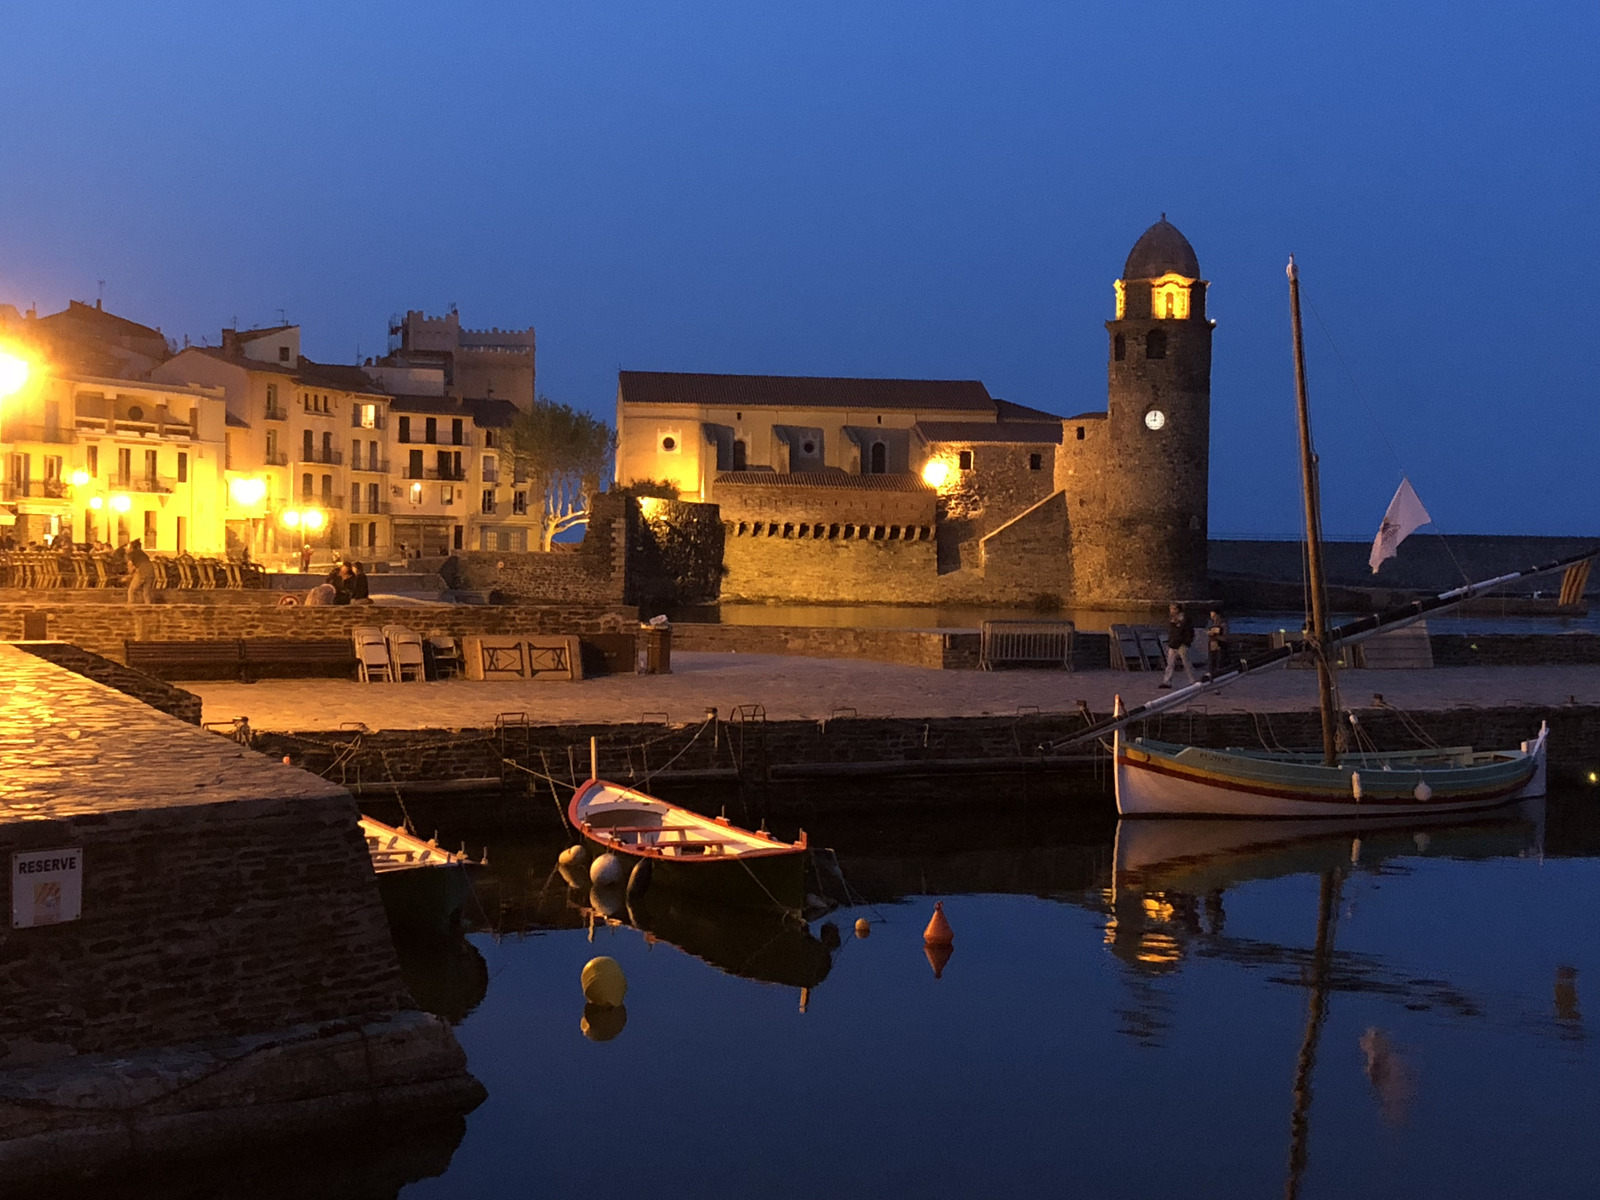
[(1159, 250)]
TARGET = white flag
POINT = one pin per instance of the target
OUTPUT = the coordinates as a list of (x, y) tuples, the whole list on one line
[(1405, 516)]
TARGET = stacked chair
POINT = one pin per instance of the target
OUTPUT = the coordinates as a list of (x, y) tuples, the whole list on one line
[(405, 653), (372, 654)]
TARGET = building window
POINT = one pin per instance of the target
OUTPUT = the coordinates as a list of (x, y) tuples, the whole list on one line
[(405, 429), (1155, 344), (519, 503), (488, 439), (414, 464), (416, 493), (488, 500), (459, 535), (283, 354), (880, 458), (741, 455), (94, 462), (272, 397), (447, 494), (372, 534), (327, 447), (327, 491), (1119, 348), (149, 529), (430, 430), (457, 433), (183, 467), (307, 445), (355, 454), (307, 487), (1035, 462), (369, 416), (964, 460), (150, 468), (1080, 433), (669, 444), (372, 498)]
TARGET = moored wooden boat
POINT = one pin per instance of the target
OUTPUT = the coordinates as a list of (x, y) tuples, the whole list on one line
[(1166, 778), (704, 856), (423, 885)]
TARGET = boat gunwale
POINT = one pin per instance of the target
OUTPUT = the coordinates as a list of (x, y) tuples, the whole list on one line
[(597, 834)]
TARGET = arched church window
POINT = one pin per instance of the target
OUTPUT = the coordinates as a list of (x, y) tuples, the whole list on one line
[(880, 458), (1119, 348), (1155, 344)]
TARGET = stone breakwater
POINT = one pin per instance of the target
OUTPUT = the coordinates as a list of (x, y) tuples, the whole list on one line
[(228, 907)]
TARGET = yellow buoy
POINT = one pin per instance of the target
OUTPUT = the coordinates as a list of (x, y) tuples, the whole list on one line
[(863, 927), (601, 1023), (603, 982)]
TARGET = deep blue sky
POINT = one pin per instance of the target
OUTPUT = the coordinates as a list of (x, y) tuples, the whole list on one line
[(923, 189)]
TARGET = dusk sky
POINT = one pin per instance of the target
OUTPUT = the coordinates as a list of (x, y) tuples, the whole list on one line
[(924, 190)]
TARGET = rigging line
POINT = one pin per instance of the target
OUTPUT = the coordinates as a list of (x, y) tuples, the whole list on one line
[(1372, 415)]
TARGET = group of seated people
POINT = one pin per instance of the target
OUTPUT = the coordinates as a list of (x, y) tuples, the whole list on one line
[(346, 584)]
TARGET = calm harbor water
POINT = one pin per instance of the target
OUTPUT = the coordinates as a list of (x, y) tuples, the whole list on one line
[(1160, 1009)]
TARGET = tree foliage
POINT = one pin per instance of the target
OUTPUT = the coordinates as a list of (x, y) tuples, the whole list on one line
[(563, 454)]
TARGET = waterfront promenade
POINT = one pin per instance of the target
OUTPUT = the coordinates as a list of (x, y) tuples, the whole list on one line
[(791, 687)]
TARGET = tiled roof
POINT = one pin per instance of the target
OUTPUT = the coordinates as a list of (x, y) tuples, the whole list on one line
[(76, 310), (237, 422), (1032, 433), (825, 479), (312, 374), (803, 391), (1005, 410), (490, 413)]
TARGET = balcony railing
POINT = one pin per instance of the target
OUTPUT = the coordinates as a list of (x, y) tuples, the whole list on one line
[(368, 507), (328, 458), (277, 414), (53, 435), (24, 489), (447, 475), (468, 438), (141, 483), (276, 458), (314, 501), (380, 421), (491, 475), (375, 466)]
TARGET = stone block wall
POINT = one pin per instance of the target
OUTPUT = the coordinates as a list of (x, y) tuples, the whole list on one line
[(590, 572), (198, 922), (876, 569), (909, 647), (103, 629)]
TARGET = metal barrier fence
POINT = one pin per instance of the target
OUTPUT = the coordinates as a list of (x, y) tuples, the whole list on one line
[(1029, 643)]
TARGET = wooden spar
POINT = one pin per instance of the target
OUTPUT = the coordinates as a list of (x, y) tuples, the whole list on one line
[(1313, 501)]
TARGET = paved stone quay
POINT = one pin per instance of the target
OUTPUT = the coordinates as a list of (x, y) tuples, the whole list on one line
[(791, 688), (199, 902)]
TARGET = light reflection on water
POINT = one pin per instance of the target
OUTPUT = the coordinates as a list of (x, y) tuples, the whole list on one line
[(1197, 1009)]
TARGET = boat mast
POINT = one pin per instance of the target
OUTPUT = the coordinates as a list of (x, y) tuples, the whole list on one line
[(1318, 633)]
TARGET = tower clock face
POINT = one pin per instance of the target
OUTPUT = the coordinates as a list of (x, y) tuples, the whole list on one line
[(1155, 418)]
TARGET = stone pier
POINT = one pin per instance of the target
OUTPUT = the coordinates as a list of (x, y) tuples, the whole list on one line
[(197, 956)]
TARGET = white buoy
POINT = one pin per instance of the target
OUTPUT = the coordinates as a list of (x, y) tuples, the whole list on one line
[(1355, 785), (1423, 792), (573, 855), (608, 870)]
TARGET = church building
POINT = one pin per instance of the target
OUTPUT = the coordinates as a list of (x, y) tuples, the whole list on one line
[(835, 490)]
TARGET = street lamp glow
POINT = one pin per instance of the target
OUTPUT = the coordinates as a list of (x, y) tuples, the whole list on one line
[(121, 503), (96, 502), (936, 474), (13, 373), (314, 519), (248, 492), (80, 477), (290, 517)]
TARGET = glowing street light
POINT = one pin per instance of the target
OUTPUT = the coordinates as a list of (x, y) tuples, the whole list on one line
[(936, 474), (97, 502), (13, 373), (313, 519), (121, 502), (80, 477), (248, 492)]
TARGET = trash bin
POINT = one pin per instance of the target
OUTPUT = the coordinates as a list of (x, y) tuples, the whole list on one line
[(655, 649)]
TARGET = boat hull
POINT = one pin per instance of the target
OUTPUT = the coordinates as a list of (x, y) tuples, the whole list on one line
[(775, 882), (1163, 779)]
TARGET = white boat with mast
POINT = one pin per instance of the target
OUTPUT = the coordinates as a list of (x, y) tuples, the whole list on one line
[(1157, 778)]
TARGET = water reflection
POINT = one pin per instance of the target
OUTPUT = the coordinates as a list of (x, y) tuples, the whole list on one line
[(1319, 1008)]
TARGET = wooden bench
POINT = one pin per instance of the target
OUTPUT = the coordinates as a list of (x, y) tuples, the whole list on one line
[(244, 659), (201, 659)]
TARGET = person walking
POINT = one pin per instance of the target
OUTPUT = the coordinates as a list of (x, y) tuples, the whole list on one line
[(1216, 644), (141, 574), (305, 560), (1180, 636), (359, 590)]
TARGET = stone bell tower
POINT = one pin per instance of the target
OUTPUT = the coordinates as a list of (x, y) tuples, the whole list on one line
[(1147, 544)]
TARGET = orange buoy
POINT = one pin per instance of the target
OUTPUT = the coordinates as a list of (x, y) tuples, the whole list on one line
[(938, 955), (863, 927), (938, 932)]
